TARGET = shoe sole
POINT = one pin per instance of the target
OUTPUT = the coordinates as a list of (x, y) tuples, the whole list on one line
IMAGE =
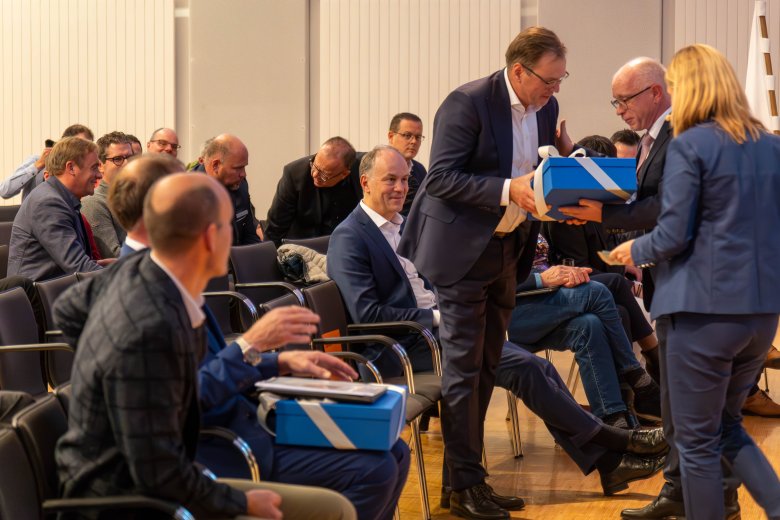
[(624, 485), (463, 514)]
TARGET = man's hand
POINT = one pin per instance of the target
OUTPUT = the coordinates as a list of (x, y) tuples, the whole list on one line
[(587, 210), (561, 275), (521, 193), (105, 262), (262, 503), (259, 232), (316, 364), (40, 163), (622, 253), (282, 326), (563, 141)]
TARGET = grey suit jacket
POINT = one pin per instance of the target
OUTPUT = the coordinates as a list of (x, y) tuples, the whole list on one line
[(48, 238), (106, 230), (134, 419)]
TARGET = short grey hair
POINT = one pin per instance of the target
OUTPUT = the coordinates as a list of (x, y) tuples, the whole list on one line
[(368, 160)]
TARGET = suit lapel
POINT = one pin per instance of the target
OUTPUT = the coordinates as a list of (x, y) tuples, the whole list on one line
[(663, 135), (376, 236), (501, 122)]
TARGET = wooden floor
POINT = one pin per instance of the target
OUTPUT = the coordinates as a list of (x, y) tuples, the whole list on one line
[(551, 484)]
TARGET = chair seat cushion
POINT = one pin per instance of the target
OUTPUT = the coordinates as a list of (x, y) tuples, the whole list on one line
[(426, 384)]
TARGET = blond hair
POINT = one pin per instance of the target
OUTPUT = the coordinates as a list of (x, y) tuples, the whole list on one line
[(704, 87)]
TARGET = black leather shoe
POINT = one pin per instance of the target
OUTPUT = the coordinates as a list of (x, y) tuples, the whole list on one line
[(444, 501), (662, 508), (731, 503), (647, 442), (510, 503), (631, 468), (475, 502)]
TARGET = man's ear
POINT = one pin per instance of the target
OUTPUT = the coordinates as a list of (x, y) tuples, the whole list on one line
[(210, 237), (390, 134), (214, 165), (364, 183)]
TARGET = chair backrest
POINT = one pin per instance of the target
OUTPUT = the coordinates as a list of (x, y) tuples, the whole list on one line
[(257, 263), (19, 370), (220, 305), (3, 261), (12, 402), (63, 394), (58, 364), (284, 301), (18, 490), (325, 300), (86, 275), (8, 213), (5, 232), (40, 426), (319, 244)]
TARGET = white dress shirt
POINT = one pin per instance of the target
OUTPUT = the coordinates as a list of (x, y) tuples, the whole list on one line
[(192, 305)]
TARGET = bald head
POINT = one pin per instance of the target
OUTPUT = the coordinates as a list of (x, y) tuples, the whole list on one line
[(226, 158), (639, 90), (180, 207), (164, 140), (129, 187)]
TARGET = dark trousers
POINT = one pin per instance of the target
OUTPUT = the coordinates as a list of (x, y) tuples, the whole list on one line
[(474, 317), (711, 364), (634, 321)]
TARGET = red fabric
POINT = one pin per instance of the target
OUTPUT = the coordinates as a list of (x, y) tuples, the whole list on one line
[(91, 238)]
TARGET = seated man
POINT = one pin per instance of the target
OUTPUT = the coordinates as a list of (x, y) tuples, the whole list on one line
[(315, 193), (134, 417), (29, 174), (164, 140), (371, 480), (379, 285), (114, 149), (48, 238), (626, 143), (406, 136)]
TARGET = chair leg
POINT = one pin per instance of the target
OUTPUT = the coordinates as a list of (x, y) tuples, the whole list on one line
[(484, 457), (573, 379), (514, 417), (396, 514), (426, 509), (766, 381)]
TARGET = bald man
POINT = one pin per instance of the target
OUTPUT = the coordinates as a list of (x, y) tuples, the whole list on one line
[(225, 158), (164, 140), (134, 415)]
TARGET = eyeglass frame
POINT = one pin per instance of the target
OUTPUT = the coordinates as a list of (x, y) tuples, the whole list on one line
[(616, 103), (408, 136), (548, 82), (322, 174), (124, 158), (163, 143)]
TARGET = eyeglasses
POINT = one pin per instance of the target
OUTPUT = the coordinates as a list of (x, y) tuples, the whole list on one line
[(623, 102), (322, 175), (548, 82), (164, 144), (118, 160), (407, 136)]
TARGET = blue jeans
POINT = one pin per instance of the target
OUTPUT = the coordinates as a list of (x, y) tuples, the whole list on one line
[(582, 319)]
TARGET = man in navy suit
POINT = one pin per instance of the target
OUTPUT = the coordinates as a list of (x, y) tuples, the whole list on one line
[(379, 285), (406, 136), (467, 234)]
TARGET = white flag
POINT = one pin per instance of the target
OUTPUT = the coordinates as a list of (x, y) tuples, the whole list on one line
[(757, 82)]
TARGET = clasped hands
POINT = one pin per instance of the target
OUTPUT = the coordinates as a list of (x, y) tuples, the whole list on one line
[(566, 276)]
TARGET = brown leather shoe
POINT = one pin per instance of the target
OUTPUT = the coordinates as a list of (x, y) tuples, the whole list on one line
[(773, 359), (761, 404)]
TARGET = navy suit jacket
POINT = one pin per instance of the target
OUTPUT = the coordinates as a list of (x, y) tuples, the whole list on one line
[(458, 206), (716, 242), (374, 284)]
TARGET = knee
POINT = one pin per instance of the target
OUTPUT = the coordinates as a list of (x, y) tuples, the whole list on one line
[(402, 455), (588, 324)]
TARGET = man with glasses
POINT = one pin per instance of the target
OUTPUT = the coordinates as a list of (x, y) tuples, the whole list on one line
[(316, 193), (406, 136), (467, 233), (114, 149), (164, 140)]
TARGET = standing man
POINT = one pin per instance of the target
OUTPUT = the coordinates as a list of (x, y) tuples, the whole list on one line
[(467, 234), (164, 140), (406, 136), (225, 158), (114, 149)]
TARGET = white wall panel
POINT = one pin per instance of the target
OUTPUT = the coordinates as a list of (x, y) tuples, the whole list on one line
[(374, 59), (108, 64)]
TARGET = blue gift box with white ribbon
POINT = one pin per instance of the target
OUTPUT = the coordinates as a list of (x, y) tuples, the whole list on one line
[(374, 426), (566, 180)]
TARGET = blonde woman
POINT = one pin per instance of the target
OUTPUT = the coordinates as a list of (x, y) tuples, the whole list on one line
[(717, 286)]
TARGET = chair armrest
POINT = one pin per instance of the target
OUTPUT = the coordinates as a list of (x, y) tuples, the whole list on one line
[(242, 299), (281, 285), (406, 326), (50, 333), (121, 502), (239, 444), (36, 347), (399, 351), (534, 292), (357, 358)]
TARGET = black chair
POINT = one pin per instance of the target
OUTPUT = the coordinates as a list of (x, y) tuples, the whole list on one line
[(257, 273), (222, 300), (424, 389), (3, 261), (57, 364), (20, 353), (86, 275), (12, 402), (31, 489), (319, 244), (8, 213), (5, 233)]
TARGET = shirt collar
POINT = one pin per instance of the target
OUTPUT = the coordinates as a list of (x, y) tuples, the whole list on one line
[(656, 128), (70, 198), (135, 245), (192, 305), (378, 219), (514, 101)]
